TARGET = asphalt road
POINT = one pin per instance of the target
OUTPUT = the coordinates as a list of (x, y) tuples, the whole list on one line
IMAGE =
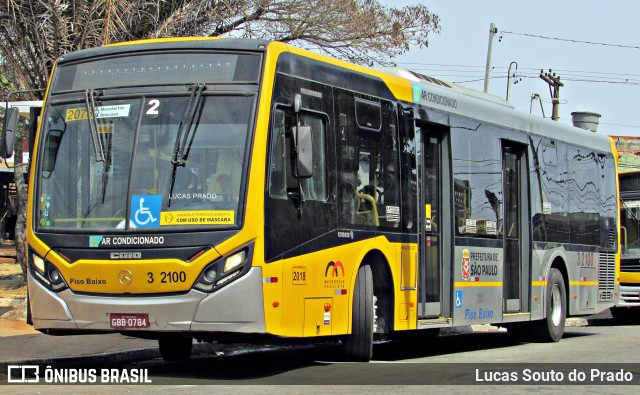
[(471, 363)]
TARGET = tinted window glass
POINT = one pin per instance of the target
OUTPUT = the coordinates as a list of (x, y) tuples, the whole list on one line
[(282, 178), (368, 115), (369, 190), (477, 179)]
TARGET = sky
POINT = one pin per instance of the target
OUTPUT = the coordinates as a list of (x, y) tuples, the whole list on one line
[(597, 78)]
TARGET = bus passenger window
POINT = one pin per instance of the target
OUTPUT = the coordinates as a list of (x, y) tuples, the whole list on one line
[(368, 162), (281, 178)]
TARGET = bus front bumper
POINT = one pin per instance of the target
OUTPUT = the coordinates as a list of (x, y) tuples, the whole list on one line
[(238, 307), (629, 289), (629, 296)]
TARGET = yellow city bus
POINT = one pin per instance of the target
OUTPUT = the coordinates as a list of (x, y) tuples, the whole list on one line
[(226, 189), (629, 297)]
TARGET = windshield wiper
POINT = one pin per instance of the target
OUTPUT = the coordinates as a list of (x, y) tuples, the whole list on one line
[(185, 132), (181, 151), (98, 146), (90, 106)]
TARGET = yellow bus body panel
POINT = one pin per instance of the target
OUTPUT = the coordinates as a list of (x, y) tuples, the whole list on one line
[(630, 278)]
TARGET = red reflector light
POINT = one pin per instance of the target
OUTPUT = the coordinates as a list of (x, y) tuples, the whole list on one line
[(270, 279), (327, 307)]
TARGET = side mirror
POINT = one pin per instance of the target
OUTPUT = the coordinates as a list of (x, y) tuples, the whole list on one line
[(8, 132), (304, 148), (297, 103)]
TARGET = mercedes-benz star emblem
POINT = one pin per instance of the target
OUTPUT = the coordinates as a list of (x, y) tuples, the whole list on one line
[(125, 277)]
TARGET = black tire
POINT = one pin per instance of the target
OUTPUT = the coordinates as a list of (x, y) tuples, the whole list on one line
[(358, 347), (29, 317), (174, 349), (551, 328)]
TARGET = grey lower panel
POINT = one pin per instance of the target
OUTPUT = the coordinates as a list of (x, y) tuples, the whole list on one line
[(238, 307), (234, 309)]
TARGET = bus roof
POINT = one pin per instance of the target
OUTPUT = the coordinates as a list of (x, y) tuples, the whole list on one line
[(452, 98), (181, 43)]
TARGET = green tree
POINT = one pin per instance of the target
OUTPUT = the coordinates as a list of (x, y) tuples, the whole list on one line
[(36, 32)]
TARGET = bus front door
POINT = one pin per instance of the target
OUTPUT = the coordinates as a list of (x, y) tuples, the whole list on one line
[(515, 230)]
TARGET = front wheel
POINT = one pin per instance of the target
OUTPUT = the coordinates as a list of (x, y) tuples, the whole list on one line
[(358, 347), (551, 328), (174, 349)]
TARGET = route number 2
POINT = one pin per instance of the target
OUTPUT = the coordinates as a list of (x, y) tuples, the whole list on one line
[(153, 107)]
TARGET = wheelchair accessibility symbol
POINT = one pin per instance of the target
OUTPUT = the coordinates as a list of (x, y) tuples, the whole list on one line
[(458, 302), (145, 211)]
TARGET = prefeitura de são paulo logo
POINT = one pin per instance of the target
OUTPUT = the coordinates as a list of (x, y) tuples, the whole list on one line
[(465, 265)]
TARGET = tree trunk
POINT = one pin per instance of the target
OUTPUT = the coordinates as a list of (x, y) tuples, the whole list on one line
[(21, 209)]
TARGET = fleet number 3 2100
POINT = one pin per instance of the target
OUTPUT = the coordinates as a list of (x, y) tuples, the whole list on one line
[(167, 277)]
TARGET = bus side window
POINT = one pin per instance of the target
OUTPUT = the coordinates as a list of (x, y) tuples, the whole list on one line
[(368, 157), (281, 177), (280, 172)]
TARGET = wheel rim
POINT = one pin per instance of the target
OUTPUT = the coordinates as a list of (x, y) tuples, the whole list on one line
[(556, 305), (375, 314)]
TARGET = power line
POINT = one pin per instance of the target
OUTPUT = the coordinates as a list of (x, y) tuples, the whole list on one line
[(535, 69), (571, 40), (588, 80), (618, 124)]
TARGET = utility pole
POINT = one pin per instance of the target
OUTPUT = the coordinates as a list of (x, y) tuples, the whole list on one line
[(510, 76), (554, 90), (492, 32)]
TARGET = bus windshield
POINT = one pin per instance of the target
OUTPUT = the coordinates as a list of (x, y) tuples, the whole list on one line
[(129, 175), (630, 220)]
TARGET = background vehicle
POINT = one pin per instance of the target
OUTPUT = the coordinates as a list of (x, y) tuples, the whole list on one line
[(627, 304), (223, 189)]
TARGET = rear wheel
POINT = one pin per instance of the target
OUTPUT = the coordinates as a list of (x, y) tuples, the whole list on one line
[(358, 347), (175, 348), (551, 328)]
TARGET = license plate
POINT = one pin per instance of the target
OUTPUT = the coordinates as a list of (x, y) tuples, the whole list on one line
[(129, 320)]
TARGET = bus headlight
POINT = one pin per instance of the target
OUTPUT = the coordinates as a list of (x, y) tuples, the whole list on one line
[(46, 273), (234, 261), (38, 262), (225, 270)]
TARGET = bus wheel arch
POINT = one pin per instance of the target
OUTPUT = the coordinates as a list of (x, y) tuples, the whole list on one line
[(372, 308), (382, 291), (551, 328)]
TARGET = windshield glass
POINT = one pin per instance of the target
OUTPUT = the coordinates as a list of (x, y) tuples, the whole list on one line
[(137, 185), (630, 218)]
